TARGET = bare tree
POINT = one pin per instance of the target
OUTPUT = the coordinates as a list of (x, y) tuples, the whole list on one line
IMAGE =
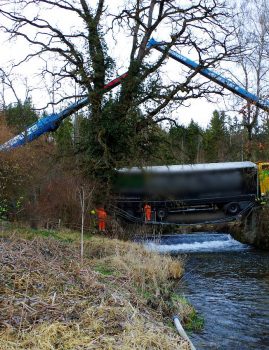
[(201, 27), (252, 36)]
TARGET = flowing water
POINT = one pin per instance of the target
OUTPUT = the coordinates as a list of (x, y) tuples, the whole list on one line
[(228, 284)]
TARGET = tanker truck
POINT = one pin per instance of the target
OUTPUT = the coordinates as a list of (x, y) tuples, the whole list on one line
[(229, 186)]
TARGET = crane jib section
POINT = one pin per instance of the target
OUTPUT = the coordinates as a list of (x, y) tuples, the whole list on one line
[(52, 122), (210, 74)]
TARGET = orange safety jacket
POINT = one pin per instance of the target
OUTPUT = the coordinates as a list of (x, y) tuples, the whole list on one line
[(101, 214), (147, 209)]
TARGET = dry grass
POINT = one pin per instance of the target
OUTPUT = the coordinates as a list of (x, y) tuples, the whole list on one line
[(117, 299)]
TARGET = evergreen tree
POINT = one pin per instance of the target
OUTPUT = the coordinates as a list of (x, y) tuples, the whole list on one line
[(177, 136), (187, 143), (20, 115), (64, 137), (216, 138), (194, 141)]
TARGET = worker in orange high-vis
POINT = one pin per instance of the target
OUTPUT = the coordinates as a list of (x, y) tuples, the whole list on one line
[(102, 216), (147, 209)]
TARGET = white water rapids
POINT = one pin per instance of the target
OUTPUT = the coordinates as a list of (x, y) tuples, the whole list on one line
[(196, 242)]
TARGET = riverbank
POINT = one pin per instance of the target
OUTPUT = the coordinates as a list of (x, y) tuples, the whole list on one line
[(119, 297)]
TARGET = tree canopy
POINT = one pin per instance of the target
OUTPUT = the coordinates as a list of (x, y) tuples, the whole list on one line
[(120, 124)]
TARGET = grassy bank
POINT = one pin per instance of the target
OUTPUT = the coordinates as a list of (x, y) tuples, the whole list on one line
[(119, 297)]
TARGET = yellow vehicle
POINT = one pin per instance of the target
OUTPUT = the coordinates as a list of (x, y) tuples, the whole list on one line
[(263, 172)]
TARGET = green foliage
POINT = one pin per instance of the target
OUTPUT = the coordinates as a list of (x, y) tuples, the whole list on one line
[(148, 295), (215, 138), (191, 319), (3, 209), (64, 137), (104, 270), (115, 139), (12, 190), (177, 136), (20, 115), (195, 322), (193, 141), (187, 142)]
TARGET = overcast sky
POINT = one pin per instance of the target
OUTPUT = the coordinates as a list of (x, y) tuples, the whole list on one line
[(198, 110)]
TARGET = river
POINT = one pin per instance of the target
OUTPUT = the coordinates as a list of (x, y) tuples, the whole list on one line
[(228, 284)]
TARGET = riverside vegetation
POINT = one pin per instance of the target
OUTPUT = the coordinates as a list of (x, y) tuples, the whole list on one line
[(119, 297)]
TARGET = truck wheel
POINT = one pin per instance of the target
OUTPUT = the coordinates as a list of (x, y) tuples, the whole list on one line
[(232, 208), (161, 213)]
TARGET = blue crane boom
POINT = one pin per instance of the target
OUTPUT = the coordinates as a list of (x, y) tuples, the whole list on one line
[(52, 122), (43, 125), (214, 76)]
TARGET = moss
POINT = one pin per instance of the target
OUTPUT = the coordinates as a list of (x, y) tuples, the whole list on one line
[(191, 320), (147, 295), (195, 322), (104, 270)]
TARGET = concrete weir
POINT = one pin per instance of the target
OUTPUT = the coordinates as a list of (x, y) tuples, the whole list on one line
[(254, 228), (251, 228)]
